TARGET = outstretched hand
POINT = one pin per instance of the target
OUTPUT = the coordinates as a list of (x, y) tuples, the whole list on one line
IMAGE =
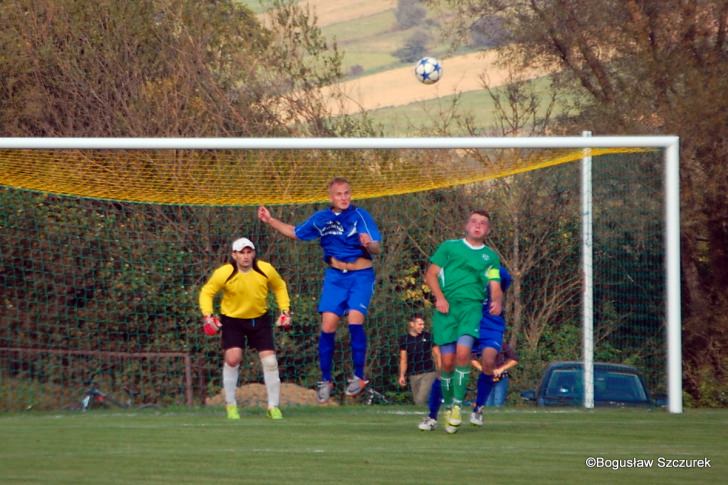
[(264, 214)]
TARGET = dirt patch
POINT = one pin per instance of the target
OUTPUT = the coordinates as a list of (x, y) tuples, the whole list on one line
[(398, 87), (255, 395)]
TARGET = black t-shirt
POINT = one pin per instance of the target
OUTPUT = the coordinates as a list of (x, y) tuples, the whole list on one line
[(419, 353)]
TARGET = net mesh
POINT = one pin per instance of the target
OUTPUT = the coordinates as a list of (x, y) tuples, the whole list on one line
[(98, 285), (255, 177)]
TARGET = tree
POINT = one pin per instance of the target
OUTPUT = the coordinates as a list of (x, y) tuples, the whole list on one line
[(159, 68), (414, 48), (644, 67), (409, 13)]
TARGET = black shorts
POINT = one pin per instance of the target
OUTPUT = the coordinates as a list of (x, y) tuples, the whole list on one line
[(256, 332)]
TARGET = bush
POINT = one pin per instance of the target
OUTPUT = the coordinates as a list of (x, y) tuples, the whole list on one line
[(409, 13), (414, 47)]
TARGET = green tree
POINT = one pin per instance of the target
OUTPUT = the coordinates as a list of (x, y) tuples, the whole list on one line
[(159, 68), (409, 13), (414, 47)]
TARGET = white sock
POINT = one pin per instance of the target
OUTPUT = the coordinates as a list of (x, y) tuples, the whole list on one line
[(272, 380), (230, 382)]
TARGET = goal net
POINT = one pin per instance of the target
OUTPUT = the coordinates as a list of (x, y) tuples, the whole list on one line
[(107, 242)]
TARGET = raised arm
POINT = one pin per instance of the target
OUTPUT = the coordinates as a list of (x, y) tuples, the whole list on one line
[(286, 229)]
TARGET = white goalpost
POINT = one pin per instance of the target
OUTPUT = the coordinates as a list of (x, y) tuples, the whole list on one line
[(668, 144)]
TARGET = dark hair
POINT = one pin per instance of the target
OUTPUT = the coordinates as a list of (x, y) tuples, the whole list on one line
[(480, 212), (235, 268), (415, 316)]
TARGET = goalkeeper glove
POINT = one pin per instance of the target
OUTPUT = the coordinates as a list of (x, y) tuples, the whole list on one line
[(211, 324), (284, 321)]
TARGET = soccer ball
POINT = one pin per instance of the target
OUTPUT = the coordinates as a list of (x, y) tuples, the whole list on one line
[(428, 70)]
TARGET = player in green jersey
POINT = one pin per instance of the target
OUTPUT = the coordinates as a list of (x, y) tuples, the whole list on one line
[(459, 273)]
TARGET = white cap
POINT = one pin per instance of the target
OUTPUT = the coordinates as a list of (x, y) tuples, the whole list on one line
[(242, 243)]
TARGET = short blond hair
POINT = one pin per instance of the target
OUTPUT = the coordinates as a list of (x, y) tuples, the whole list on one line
[(337, 181)]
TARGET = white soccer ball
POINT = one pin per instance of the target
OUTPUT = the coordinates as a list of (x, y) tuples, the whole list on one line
[(428, 70)]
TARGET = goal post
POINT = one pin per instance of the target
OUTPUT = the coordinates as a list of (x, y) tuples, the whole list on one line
[(668, 144)]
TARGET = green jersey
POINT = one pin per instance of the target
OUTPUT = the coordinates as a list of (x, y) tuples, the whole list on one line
[(465, 270)]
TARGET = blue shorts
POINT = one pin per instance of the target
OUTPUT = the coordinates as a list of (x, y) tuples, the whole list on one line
[(492, 328), (344, 291)]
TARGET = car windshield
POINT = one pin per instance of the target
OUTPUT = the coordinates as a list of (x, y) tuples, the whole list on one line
[(608, 386)]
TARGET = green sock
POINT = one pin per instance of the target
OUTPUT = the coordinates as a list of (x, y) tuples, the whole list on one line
[(446, 387), (460, 383)]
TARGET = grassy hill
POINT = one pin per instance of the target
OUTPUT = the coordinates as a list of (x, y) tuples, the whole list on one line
[(377, 81)]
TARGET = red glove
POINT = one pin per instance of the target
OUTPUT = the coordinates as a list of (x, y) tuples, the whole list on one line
[(284, 321), (211, 324)]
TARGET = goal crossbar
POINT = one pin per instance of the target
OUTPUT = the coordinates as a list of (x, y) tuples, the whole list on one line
[(336, 143)]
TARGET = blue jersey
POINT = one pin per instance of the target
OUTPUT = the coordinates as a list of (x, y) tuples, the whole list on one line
[(495, 322), (339, 233)]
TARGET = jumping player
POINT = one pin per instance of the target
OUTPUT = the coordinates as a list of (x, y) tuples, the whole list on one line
[(492, 328), (245, 282), (460, 272), (349, 238)]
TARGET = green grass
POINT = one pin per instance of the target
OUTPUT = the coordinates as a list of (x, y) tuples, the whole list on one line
[(355, 444), (370, 41), (255, 5), (423, 115), (362, 29)]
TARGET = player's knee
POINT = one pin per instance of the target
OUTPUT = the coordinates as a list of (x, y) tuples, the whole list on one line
[(462, 359), (232, 361), (329, 322), (269, 363)]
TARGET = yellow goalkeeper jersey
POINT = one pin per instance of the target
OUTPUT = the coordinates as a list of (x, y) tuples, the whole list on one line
[(245, 295)]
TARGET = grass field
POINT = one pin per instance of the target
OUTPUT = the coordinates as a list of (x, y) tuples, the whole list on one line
[(357, 444), (427, 114)]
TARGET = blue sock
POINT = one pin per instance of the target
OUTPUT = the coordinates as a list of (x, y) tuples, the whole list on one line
[(435, 399), (485, 385), (358, 349), (327, 343)]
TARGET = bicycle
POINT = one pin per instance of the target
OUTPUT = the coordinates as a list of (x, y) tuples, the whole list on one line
[(95, 397), (373, 397)]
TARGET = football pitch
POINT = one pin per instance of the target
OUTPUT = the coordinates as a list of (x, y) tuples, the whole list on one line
[(362, 444)]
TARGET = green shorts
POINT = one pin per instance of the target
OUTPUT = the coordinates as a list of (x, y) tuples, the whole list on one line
[(462, 319)]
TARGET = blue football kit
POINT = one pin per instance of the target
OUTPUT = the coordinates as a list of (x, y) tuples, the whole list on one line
[(338, 235), (339, 232)]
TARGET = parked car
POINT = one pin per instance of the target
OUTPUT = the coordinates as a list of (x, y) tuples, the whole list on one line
[(614, 385)]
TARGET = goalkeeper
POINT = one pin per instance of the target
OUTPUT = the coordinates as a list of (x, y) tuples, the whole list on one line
[(459, 273), (349, 238), (245, 282)]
